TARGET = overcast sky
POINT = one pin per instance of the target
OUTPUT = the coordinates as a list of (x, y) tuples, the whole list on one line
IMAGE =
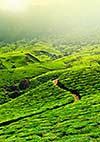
[(81, 10), (51, 15)]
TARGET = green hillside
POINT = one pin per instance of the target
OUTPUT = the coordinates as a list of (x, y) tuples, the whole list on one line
[(43, 112)]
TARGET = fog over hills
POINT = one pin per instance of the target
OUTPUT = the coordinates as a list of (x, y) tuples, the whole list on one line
[(49, 71), (44, 18)]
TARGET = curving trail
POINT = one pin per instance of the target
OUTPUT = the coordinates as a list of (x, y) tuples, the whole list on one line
[(74, 93)]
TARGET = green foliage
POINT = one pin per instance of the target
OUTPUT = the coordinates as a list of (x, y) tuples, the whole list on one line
[(44, 112)]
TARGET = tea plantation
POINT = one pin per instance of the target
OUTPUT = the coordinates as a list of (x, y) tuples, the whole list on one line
[(43, 112)]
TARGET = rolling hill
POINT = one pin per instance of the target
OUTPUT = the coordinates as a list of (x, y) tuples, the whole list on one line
[(43, 112)]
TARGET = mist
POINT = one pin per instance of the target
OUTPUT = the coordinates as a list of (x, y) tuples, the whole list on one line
[(44, 18)]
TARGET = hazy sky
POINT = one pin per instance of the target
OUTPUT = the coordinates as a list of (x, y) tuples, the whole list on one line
[(82, 9), (49, 15), (69, 7)]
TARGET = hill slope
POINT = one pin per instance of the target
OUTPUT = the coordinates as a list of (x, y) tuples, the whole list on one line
[(44, 112)]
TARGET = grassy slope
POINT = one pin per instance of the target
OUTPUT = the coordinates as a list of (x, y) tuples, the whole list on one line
[(47, 113)]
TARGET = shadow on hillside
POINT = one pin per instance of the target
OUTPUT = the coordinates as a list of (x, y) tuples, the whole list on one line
[(74, 93)]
